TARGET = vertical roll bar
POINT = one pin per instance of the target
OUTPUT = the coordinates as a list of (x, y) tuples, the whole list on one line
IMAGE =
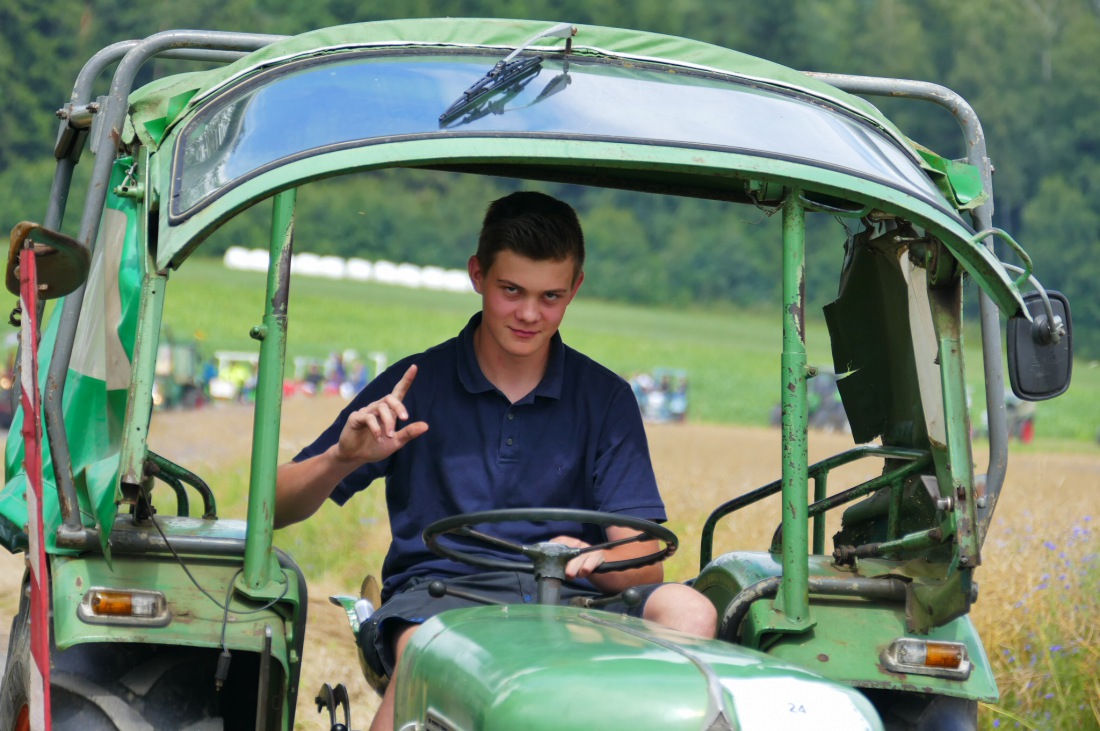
[(794, 598), (269, 398)]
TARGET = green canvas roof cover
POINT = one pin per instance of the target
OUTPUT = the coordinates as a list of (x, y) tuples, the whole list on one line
[(158, 111), (168, 99)]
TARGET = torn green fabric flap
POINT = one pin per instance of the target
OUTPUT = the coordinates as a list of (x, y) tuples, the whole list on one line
[(156, 127), (156, 105), (960, 182), (178, 103)]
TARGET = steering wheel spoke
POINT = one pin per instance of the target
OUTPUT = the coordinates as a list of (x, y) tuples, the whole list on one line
[(636, 538), (467, 532)]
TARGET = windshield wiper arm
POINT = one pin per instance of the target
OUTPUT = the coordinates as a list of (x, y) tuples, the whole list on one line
[(506, 72)]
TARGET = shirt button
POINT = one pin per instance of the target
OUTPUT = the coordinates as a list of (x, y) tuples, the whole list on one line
[(509, 441), (511, 416)]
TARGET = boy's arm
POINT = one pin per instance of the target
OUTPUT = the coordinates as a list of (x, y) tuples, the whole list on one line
[(583, 566), (369, 435), (302, 487)]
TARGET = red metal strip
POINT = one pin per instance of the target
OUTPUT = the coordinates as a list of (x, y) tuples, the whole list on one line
[(40, 717)]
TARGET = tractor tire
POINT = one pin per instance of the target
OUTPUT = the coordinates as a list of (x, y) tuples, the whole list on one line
[(921, 712), (132, 686), (15, 687), (128, 686)]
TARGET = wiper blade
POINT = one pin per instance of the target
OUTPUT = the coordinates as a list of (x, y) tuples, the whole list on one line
[(503, 74), (506, 72), (495, 102)]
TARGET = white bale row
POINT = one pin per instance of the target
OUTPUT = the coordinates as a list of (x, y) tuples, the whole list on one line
[(335, 267)]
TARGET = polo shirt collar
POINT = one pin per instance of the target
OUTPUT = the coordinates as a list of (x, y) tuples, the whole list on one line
[(474, 381)]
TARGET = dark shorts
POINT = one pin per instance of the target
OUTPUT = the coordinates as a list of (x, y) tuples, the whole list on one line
[(412, 604)]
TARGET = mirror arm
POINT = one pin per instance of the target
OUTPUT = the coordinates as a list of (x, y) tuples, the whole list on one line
[(1049, 329)]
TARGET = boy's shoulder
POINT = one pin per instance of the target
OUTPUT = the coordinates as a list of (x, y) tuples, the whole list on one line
[(591, 371)]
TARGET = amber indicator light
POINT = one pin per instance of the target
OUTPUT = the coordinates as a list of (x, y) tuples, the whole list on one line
[(112, 602), (124, 604), (943, 656)]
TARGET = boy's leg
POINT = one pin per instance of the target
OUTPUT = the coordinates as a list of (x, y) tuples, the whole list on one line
[(383, 718), (682, 608), (676, 606), (389, 630)]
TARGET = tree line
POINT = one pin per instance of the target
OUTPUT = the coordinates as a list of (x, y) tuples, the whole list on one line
[(1030, 68)]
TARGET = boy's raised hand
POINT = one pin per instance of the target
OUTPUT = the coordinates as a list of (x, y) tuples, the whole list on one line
[(371, 433)]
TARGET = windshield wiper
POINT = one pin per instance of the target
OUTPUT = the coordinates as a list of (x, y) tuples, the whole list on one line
[(506, 72), (493, 102)]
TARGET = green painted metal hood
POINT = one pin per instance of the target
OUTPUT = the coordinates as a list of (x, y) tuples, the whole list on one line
[(510, 667)]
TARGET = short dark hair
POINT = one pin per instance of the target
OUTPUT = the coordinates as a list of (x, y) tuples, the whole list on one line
[(533, 225)]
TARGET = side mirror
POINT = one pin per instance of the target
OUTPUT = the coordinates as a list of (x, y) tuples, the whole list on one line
[(62, 260), (1040, 351)]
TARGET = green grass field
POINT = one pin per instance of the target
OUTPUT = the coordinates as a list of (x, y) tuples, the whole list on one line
[(731, 357)]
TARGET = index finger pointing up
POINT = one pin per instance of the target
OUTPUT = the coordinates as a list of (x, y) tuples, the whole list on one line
[(402, 386)]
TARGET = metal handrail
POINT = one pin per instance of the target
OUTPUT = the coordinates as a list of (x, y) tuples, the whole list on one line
[(167, 470), (918, 460)]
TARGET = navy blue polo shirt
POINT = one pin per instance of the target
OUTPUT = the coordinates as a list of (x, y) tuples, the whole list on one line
[(576, 441)]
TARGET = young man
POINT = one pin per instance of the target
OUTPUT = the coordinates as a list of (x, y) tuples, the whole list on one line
[(503, 416)]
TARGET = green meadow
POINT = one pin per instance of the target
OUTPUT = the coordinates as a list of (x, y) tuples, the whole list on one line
[(731, 356)]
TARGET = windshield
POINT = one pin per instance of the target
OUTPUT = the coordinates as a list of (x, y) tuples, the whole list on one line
[(320, 105)]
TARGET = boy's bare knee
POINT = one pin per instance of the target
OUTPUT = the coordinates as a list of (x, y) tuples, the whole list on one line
[(403, 636), (682, 608)]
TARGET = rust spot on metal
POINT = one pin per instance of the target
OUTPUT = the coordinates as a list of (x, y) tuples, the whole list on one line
[(801, 304), (281, 297)]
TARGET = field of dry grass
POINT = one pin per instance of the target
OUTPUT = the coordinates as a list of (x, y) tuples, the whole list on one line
[(1037, 611)]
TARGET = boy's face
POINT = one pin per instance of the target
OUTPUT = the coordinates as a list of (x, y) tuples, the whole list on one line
[(523, 301)]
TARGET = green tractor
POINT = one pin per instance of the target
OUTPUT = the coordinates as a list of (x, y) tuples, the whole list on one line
[(150, 600)]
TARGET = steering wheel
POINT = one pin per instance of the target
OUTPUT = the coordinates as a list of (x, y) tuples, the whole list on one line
[(547, 561)]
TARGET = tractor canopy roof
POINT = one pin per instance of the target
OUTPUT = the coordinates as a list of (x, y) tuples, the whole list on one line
[(607, 107)]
